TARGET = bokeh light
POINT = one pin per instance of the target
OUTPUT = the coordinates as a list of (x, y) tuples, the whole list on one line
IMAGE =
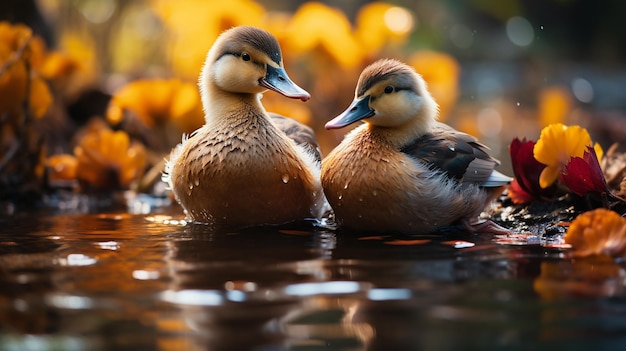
[(520, 31), (399, 20), (582, 89)]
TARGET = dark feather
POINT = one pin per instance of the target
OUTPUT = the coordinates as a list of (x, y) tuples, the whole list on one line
[(457, 154), (298, 132)]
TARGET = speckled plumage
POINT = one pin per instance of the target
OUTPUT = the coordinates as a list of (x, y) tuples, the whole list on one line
[(241, 169), (402, 170)]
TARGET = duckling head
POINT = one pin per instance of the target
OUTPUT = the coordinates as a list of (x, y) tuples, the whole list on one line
[(389, 94), (247, 60)]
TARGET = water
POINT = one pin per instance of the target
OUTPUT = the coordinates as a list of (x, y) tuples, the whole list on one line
[(130, 282)]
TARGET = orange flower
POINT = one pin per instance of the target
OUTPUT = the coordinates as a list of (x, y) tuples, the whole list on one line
[(598, 232), (62, 167), (557, 144), (108, 160), (157, 101), (58, 65), (20, 52)]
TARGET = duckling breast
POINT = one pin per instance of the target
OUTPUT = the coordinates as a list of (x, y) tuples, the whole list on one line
[(242, 172), (372, 186)]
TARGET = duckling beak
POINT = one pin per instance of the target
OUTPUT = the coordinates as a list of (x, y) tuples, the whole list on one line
[(358, 110), (277, 79)]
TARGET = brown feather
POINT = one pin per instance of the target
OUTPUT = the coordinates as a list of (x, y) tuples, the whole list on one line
[(300, 133)]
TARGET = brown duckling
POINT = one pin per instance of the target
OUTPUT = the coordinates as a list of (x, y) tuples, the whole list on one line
[(244, 167), (402, 170)]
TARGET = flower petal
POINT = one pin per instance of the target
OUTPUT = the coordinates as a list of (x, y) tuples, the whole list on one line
[(549, 175), (525, 168), (583, 175), (558, 143), (517, 194), (597, 232)]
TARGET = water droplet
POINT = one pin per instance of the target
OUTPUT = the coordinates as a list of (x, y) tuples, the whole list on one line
[(517, 103), (340, 196), (541, 27), (345, 186), (190, 186), (197, 182), (359, 215), (374, 192), (360, 199), (285, 178)]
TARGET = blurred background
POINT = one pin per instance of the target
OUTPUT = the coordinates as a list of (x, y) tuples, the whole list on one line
[(498, 69)]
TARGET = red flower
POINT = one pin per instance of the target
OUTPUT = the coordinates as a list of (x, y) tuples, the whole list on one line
[(583, 175), (525, 187)]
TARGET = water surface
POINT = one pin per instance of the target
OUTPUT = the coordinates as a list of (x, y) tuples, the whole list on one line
[(117, 281)]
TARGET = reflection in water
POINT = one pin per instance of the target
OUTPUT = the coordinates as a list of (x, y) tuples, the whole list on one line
[(593, 276), (119, 281)]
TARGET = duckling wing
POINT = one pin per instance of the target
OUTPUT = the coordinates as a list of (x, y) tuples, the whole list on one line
[(301, 134), (459, 155)]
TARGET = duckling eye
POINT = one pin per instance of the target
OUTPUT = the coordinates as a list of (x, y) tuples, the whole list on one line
[(388, 89), (245, 56)]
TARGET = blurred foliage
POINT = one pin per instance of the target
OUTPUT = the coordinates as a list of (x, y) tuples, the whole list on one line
[(23, 98), (132, 66)]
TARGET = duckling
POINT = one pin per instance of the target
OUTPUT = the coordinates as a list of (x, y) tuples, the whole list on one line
[(244, 167), (402, 170)]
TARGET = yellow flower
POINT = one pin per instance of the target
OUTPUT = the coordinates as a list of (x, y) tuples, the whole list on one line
[(195, 24), (107, 160), (554, 104), (598, 232), (155, 101), (316, 26), (557, 144), (379, 24)]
